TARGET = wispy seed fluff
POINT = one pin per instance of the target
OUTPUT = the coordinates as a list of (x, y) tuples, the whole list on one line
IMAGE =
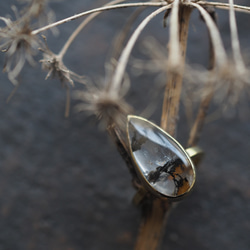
[(109, 108)]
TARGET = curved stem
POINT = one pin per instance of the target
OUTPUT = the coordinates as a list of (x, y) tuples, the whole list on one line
[(235, 39), (122, 35), (196, 129), (225, 6), (118, 44), (174, 50), (220, 54), (81, 26), (112, 7), (115, 84)]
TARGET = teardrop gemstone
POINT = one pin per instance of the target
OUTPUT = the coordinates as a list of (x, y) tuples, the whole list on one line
[(160, 161)]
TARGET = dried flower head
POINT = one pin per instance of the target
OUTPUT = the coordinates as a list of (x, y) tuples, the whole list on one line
[(19, 45), (227, 84), (157, 54), (54, 65), (106, 106), (158, 61), (38, 10), (34, 7)]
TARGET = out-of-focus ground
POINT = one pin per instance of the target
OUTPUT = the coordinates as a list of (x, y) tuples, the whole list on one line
[(64, 186)]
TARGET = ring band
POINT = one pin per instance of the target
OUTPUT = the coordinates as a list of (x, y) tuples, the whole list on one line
[(196, 154)]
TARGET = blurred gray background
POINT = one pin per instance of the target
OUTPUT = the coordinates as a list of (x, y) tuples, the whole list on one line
[(63, 185)]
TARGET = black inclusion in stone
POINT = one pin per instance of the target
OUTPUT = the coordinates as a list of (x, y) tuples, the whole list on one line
[(137, 141), (171, 169), (168, 167)]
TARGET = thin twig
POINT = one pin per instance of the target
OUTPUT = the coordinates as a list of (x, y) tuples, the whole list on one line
[(235, 39), (220, 53), (196, 129), (67, 104), (225, 6), (81, 26), (170, 108), (195, 132), (118, 137), (112, 7), (118, 45), (119, 40), (115, 84)]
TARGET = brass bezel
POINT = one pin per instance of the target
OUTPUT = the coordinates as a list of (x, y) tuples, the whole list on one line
[(141, 176)]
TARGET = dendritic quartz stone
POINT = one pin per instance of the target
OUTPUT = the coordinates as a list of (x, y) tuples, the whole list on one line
[(161, 162)]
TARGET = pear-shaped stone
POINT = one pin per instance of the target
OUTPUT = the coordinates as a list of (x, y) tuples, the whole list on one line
[(161, 162)]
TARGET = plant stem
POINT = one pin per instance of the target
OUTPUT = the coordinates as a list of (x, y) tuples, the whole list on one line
[(225, 6), (153, 225), (220, 53), (119, 40), (115, 84), (118, 45), (118, 137), (235, 39), (157, 210), (199, 121), (195, 132), (172, 94), (81, 26), (67, 105), (112, 7)]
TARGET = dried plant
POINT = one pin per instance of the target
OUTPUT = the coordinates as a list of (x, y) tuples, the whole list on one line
[(224, 80), (18, 44)]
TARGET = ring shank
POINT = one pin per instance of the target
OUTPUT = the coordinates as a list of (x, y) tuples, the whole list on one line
[(196, 154)]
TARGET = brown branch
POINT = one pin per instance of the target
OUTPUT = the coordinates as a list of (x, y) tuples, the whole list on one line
[(172, 94), (153, 224), (156, 210), (195, 132), (118, 137), (122, 35)]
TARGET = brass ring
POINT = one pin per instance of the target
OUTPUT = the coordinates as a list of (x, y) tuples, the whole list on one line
[(164, 167)]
